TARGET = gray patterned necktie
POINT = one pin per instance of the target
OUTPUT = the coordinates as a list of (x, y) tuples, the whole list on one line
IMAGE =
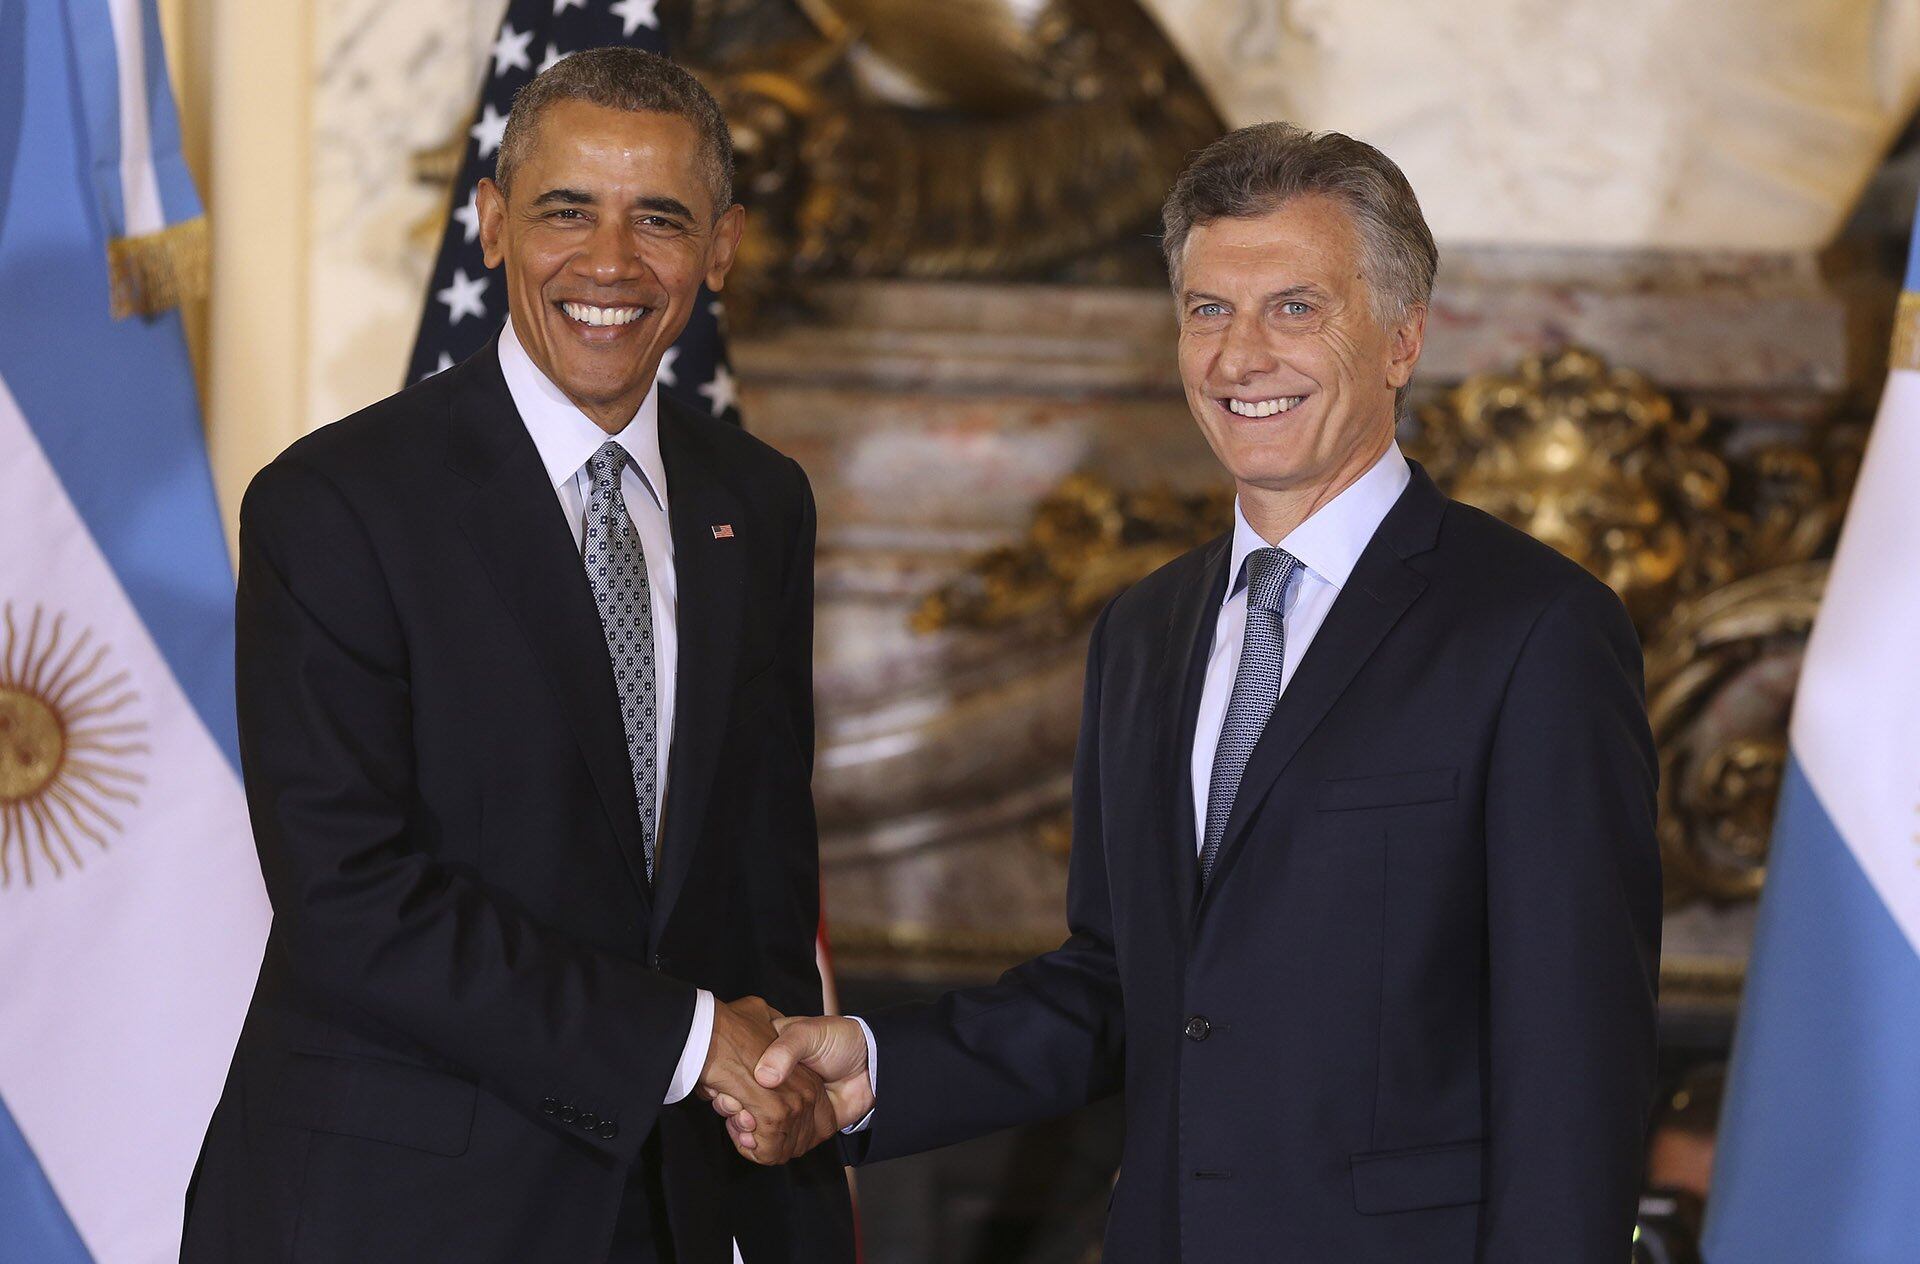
[(1256, 688), (617, 570)]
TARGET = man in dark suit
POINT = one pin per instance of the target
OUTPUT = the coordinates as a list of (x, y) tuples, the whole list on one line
[(525, 675), (1364, 893)]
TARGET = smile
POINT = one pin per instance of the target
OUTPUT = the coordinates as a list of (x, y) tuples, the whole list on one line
[(1261, 407), (587, 314)]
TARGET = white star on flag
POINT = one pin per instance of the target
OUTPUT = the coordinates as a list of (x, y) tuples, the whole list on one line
[(488, 131), (510, 50), (463, 297), (561, 6), (665, 371), (634, 14), (553, 55), (719, 392), (469, 215), (446, 362)]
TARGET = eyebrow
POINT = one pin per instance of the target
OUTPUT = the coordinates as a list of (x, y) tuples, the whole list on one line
[(1303, 290), (580, 197)]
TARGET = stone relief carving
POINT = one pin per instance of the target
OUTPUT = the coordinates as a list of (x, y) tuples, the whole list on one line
[(974, 138)]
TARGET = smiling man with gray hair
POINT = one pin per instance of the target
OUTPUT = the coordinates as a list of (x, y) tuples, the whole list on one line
[(1364, 896)]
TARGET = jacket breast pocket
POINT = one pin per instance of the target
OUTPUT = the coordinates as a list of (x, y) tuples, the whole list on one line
[(394, 1102), (1389, 790), (1413, 1180)]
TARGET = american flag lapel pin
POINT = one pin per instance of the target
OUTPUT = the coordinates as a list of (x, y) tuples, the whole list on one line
[(723, 531)]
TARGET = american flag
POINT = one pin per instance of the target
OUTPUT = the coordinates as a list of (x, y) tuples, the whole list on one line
[(466, 305)]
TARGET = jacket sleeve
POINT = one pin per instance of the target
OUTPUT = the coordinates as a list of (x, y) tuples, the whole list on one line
[(791, 962), (362, 914), (1046, 1038), (1573, 938)]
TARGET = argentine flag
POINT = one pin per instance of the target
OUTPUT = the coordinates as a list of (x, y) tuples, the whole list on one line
[(1819, 1150), (131, 910)]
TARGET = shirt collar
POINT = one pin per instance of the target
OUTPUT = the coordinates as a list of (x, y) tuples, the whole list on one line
[(1330, 542), (567, 438)]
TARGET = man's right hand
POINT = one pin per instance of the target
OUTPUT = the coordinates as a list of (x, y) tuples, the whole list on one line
[(833, 1050), (789, 1116)]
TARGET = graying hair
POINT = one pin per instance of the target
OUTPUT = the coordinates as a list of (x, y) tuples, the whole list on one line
[(621, 79), (1252, 171)]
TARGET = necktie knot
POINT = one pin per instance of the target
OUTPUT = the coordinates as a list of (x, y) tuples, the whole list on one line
[(606, 464), (1268, 571)]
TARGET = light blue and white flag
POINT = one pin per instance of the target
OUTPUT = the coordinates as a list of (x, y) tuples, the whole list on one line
[(1819, 1149), (131, 910)]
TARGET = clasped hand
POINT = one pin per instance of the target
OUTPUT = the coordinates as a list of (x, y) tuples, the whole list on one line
[(784, 1085)]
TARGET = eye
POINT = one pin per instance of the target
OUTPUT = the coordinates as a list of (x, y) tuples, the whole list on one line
[(1210, 310), (567, 212), (1294, 307)]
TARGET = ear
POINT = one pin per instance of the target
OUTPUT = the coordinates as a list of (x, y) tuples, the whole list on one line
[(492, 204), (1404, 345), (726, 244)]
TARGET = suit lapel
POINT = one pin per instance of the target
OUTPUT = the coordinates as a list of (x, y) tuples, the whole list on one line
[(711, 575), (1376, 595), (1182, 674), (515, 525)]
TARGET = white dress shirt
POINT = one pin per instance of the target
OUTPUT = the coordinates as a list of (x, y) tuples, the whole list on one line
[(1327, 545), (566, 439)]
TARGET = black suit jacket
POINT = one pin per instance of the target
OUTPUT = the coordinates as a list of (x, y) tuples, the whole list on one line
[(1411, 1018), (472, 1001)]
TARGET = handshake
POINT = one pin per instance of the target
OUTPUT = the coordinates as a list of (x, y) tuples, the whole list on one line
[(783, 1084)]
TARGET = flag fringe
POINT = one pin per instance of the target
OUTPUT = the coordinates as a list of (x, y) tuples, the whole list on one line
[(1906, 333), (156, 271)]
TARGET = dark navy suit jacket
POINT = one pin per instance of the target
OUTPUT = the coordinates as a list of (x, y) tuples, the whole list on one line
[(473, 999), (1411, 1018)]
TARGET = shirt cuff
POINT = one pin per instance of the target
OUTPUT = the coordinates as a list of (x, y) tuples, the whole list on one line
[(873, 1076), (693, 1058)]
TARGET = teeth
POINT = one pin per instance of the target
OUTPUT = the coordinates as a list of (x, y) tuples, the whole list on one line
[(587, 314), (1262, 408)]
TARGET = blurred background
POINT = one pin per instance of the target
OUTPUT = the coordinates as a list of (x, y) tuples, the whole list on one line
[(1672, 238)]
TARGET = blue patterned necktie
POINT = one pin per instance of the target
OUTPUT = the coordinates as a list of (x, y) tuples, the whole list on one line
[(1256, 688), (617, 570)]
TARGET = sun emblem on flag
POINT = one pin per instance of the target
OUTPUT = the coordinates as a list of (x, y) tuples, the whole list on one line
[(68, 741)]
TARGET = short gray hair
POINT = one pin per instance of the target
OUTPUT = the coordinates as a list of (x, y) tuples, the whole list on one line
[(620, 78), (1252, 171)]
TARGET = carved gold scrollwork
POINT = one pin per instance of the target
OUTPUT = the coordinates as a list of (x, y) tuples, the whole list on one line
[(1088, 540), (1720, 682), (970, 138), (1602, 465)]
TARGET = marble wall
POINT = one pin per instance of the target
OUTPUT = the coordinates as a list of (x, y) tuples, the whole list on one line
[(1743, 124), (389, 80)]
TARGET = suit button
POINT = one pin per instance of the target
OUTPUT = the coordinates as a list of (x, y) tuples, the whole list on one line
[(549, 1106), (589, 1120), (1198, 1028), (607, 1130), (568, 1114)]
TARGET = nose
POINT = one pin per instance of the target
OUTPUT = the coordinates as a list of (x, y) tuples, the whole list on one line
[(1244, 352), (611, 255)]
